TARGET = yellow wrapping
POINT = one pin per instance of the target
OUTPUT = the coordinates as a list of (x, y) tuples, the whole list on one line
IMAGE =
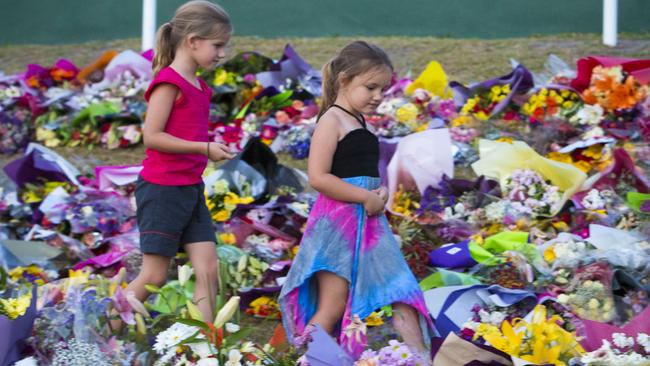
[(499, 159), (433, 79)]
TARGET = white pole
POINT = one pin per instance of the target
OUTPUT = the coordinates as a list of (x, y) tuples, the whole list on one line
[(148, 24), (610, 22)]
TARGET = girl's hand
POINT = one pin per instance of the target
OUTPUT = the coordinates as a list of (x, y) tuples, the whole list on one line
[(217, 151), (373, 204), (383, 193)]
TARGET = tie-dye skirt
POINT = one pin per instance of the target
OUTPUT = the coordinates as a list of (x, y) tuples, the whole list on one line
[(342, 239)]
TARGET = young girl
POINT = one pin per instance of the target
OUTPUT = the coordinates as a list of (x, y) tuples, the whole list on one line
[(171, 209), (349, 263)]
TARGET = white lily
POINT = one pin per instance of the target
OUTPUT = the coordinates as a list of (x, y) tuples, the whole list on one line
[(184, 274), (226, 312)]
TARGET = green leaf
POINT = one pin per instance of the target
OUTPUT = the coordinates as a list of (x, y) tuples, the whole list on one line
[(152, 288), (636, 199), (238, 336), (281, 97), (194, 323)]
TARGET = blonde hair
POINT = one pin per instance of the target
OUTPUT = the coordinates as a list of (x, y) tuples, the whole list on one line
[(203, 18), (354, 59)]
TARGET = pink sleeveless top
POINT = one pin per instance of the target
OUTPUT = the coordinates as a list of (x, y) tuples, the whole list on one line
[(188, 120)]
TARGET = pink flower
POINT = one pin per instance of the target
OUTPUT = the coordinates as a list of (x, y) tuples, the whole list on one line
[(446, 108), (249, 78), (123, 307)]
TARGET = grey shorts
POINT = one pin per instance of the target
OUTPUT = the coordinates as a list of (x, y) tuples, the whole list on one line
[(171, 216)]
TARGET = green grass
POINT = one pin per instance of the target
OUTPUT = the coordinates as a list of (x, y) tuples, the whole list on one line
[(463, 59)]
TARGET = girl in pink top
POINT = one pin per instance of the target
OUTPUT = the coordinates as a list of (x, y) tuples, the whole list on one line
[(171, 208)]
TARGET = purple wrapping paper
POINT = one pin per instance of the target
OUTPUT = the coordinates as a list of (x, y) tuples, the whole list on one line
[(520, 80), (13, 332), (40, 164), (452, 256), (291, 66), (324, 351)]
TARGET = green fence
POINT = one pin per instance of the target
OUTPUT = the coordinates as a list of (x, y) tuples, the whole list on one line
[(71, 21)]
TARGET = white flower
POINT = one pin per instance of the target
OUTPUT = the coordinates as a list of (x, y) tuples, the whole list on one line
[(87, 211), (248, 347), (208, 362), (169, 338), (588, 115), (593, 200), (221, 187), (232, 328), (226, 312), (203, 349), (234, 358), (620, 340), (184, 274), (644, 340), (563, 299), (497, 318), (593, 304)]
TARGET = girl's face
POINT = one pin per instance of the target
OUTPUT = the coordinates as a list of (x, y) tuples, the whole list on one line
[(208, 52), (364, 92)]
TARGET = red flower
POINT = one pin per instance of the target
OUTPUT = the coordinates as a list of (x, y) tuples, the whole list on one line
[(291, 111), (231, 134), (511, 116)]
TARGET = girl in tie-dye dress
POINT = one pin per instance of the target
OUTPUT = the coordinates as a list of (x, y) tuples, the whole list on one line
[(349, 263)]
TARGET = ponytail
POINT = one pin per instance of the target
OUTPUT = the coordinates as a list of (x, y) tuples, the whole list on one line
[(330, 87), (165, 48)]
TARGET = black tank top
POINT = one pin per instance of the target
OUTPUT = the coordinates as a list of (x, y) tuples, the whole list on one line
[(357, 154)]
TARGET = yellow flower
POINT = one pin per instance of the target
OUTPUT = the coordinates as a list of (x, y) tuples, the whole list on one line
[(460, 121), (407, 113), (505, 89), (542, 341), (47, 136), (477, 238), (582, 165), (220, 77), (231, 199), (78, 277), (246, 200), (482, 116), (549, 254), (567, 104), (13, 308), (560, 225), (562, 158), (221, 216), (421, 128), (211, 205), (505, 139), (228, 238), (496, 89), (594, 151), (374, 319)]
